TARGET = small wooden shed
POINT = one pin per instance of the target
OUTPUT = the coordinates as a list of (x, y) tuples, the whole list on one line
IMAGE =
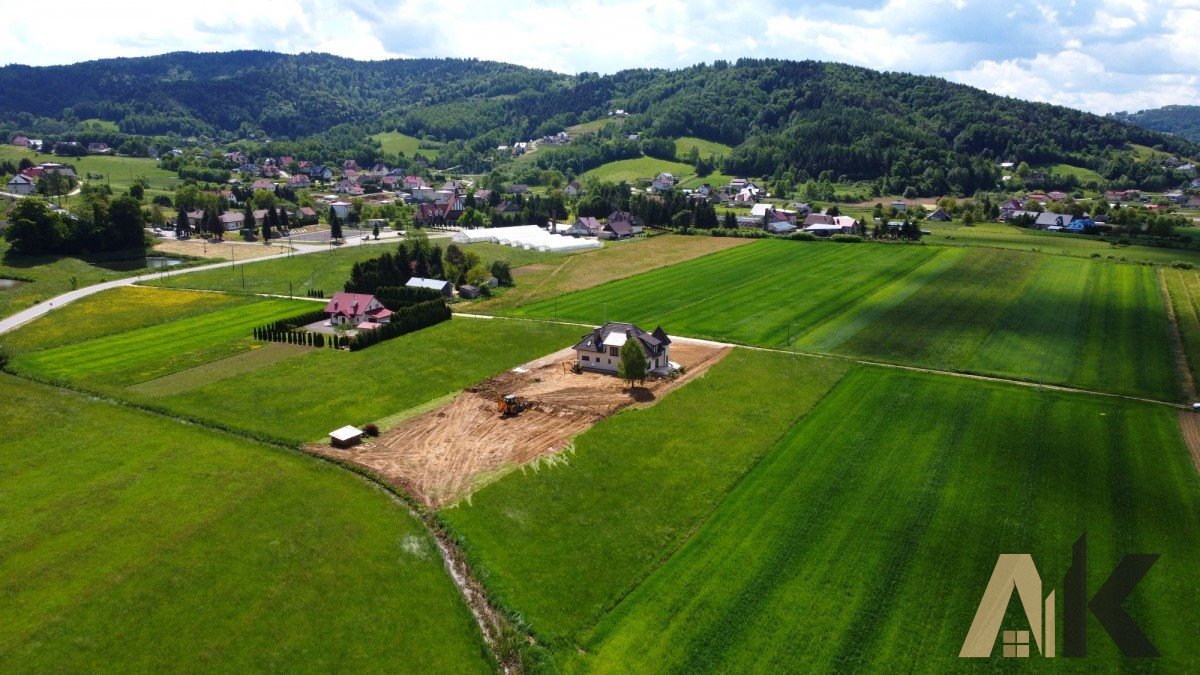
[(346, 437)]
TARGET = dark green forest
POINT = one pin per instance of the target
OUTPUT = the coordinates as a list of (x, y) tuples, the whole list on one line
[(1181, 120), (791, 120)]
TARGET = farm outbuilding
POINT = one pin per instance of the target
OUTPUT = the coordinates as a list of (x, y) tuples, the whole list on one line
[(346, 437), (441, 285)]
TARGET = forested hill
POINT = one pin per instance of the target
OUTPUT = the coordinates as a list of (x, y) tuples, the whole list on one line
[(285, 95), (1181, 120), (804, 117)]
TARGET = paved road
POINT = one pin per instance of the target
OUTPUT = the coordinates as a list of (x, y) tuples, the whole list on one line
[(42, 308)]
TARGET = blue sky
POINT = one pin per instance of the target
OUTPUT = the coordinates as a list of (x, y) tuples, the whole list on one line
[(1097, 55)]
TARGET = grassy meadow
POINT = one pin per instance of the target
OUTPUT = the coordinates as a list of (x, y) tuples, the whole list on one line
[(302, 398), (113, 311), (684, 145), (1084, 323), (125, 358), (323, 271), (1183, 288), (633, 170), (561, 543), (863, 541), (394, 142), (751, 294), (51, 275), (999, 235), (132, 542), (617, 260), (119, 172)]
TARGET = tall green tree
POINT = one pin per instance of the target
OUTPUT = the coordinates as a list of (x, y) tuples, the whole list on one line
[(33, 227), (126, 224), (335, 225), (632, 366)]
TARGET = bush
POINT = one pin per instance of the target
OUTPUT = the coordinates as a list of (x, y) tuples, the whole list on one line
[(846, 238), (370, 430), (802, 236), (1095, 255), (1182, 265), (4, 357)]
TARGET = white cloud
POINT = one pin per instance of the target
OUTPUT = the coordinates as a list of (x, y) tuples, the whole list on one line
[(1100, 55)]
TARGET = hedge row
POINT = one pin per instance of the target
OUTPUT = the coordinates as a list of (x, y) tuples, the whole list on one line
[(294, 322), (403, 321), (399, 297), (292, 337)]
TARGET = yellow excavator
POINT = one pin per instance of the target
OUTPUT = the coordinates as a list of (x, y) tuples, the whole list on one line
[(511, 405)]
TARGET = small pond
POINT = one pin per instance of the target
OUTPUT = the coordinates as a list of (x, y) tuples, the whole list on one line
[(149, 262), (10, 284)]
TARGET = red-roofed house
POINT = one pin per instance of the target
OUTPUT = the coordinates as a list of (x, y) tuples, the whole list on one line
[(20, 141), (355, 308), (262, 184)]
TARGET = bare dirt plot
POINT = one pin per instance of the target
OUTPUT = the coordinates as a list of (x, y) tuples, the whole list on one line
[(1189, 423), (226, 251), (443, 455)]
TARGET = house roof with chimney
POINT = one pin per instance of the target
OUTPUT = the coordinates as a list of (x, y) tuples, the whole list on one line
[(616, 334)]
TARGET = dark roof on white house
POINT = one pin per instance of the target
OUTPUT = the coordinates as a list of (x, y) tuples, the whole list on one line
[(652, 343)]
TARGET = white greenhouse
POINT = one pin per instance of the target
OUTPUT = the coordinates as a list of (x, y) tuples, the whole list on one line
[(530, 237)]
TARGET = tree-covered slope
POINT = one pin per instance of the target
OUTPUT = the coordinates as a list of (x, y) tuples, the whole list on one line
[(805, 118), (1181, 120)]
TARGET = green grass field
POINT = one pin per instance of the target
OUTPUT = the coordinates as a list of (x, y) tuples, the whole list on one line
[(1083, 173), (864, 540), (133, 542), (633, 170), (394, 142), (301, 399), (122, 359), (115, 311), (323, 271), (754, 294), (51, 276), (561, 544), (594, 126), (684, 145), (999, 235), (1045, 319), (1084, 323), (1183, 287), (119, 172)]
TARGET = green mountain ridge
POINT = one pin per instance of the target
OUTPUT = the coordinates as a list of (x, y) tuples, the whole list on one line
[(1180, 120), (798, 120)]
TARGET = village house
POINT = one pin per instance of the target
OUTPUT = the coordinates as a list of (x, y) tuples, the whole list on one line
[(482, 197), (823, 225), (306, 215), (411, 182), (584, 226), (1056, 196), (340, 208), (899, 205), (319, 172), (21, 184), (356, 308), (349, 165), (298, 181), (262, 184), (518, 189), (98, 148), (20, 141), (601, 349), (439, 213), (939, 215), (232, 221), (442, 286), (507, 207), (633, 223), (573, 189)]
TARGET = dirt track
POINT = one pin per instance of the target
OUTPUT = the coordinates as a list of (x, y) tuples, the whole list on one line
[(1189, 423), (441, 456)]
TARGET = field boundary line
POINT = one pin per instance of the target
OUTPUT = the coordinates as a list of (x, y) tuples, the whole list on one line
[(868, 362), (500, 633), (704, 519), (1182, 363)]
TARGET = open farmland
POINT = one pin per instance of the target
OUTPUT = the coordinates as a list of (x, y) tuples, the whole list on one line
[(45, 276), (864, 540), (1183, 287), (633, 170), (561, 542), (133, 542), (115, 311), (300, 399), (754, 294), (396, 143), (118, 172), (617, 260), (999, 235), (323, 271), (1083, 323), (134, 356), (1046, 319)]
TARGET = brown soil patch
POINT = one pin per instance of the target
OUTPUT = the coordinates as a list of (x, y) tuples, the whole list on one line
[(226, 251), (443, 455), (1189, 423)]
